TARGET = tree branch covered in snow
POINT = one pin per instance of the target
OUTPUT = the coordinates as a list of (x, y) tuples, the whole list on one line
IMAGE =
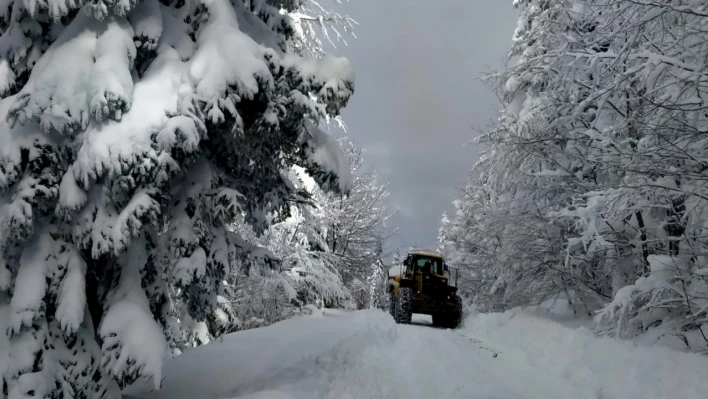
[(328, 247), (593, 180), (312, 21), (122, 175)]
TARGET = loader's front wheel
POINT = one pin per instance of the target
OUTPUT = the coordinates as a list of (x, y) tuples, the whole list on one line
[(392, 305), (452, 316), (404, 306), (455, 317)]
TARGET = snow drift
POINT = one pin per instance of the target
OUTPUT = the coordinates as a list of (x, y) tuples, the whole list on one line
[(612, 368), (282, 357), (364, 354)]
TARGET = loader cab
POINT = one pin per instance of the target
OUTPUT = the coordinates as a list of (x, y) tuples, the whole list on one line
[(424, 265)]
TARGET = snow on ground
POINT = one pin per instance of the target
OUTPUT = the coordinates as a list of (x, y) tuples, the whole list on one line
[(366, 355), (609, 367), (560, 310)]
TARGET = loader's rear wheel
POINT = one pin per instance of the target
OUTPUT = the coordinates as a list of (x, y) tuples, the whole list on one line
[(452, 316), (404, 308)]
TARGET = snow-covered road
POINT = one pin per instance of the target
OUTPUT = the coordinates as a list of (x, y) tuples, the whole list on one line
[(351, 355), (365, 355)]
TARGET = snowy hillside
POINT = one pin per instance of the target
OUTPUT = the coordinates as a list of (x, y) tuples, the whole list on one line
[(365, 355)]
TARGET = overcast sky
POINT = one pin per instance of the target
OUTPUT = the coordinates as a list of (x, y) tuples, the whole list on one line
[(417, 97)]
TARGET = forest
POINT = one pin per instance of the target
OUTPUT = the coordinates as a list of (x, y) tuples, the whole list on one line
[(177, 182), (592, 183)]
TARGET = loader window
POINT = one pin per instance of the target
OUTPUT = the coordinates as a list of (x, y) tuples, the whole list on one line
[(428, 264)]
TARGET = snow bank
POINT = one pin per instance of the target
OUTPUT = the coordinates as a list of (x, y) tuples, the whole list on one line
[(611, 368), (561, 310), (279, 358), (339, 354)]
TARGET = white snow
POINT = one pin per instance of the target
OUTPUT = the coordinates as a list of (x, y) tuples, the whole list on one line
[(256, 28), (595, 367), (132, 340), (7, 76), (12, 139), (328, 71), (174, 34), (225, 56), (72, 292), (179, 131), (100, 55), (71, 196), (197, 331), (301, 176), (191, 268), (155, 96), (110, 84), (336, 354), (57, 96), (664, 269), (127, 224), (325, 152), (146, 19), (27, 302)]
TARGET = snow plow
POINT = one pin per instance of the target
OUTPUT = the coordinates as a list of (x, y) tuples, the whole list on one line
[(423, 286)]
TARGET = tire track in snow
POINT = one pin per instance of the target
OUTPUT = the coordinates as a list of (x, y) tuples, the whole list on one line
[(355, 355)]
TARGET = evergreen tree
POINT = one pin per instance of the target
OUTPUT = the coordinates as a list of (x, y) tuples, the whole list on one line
[(133, 135)]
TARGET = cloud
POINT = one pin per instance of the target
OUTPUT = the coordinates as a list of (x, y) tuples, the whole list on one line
[(417, 94)]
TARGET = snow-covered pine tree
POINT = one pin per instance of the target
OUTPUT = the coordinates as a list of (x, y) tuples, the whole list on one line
[(132, 135)]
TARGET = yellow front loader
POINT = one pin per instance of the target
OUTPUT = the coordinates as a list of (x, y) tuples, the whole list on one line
[(423, 286)]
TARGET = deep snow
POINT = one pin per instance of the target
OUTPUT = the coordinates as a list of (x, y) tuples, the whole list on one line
[(366, 355)]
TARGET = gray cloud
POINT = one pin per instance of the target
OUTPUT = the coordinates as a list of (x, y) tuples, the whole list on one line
[(417, 65)]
